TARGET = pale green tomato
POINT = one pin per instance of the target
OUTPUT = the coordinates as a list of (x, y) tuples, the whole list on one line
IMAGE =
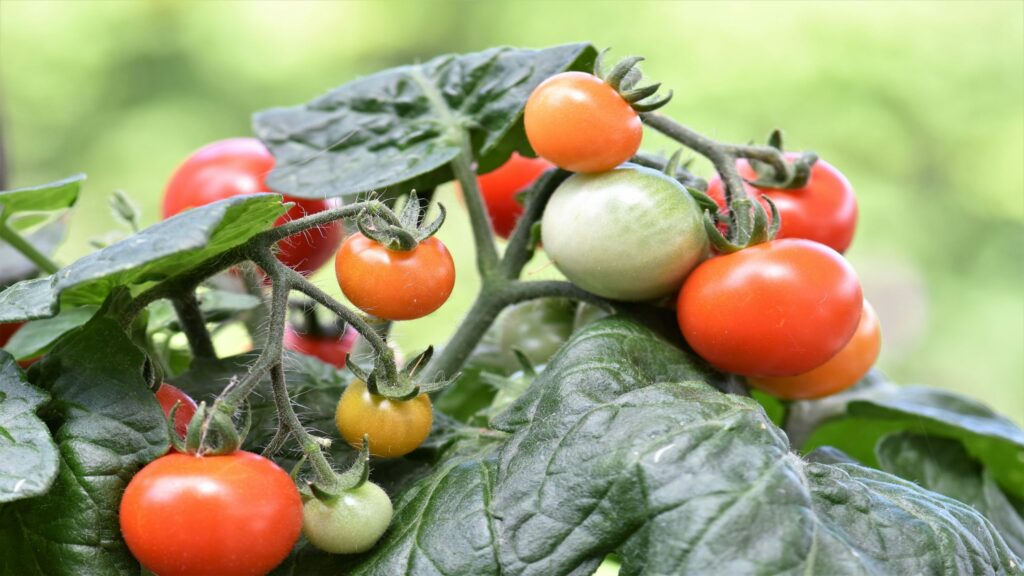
[(350, 524), (631, 233)]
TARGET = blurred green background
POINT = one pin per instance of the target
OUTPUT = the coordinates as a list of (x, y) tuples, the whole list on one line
[(920, 104)]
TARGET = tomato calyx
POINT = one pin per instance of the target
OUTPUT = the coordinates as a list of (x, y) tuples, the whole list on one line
[(624, 77), (753, 226), (403, 232), (210, 432), (796, 175), (406, 388)]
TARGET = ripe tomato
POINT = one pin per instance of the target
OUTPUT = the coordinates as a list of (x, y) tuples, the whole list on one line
[(167, 395), (824, 210), (233, 515), (775, 309), (395, 284), (8, 330), (351, 523), (837, 374), (582, 124), (236, 166), (631, 233), (500, 186), (396, 427), (329, 349)]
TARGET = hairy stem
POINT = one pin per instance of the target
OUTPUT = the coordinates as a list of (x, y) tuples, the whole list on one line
[(41, 261), (192, 323), (286, 416), (483, 235)]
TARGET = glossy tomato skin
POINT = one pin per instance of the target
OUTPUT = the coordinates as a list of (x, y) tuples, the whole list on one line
[(168, 395), (233, 515), (396, 427), (631, 233), (824, 210), (499, 188), (8, 330), (395, 284), (840, 372), (581, 124), (775, 309), (330, 350), (350, 524), (237, 166)]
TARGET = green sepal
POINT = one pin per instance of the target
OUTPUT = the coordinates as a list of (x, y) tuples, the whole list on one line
[(715, 236), (704, 202), (403, 232), (176, 442), (624, 77), (359, 472)]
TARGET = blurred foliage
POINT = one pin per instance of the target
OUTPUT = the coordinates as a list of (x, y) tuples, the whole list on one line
[(920, 104)]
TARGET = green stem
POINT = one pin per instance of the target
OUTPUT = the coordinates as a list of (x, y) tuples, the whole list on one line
[(193, 325), (518, 252), (254, 320), (483, 235), (325, 475), (21, 245)]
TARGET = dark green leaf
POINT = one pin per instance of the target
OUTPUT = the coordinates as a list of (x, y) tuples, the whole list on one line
[(942, 465), (45, 198), (169, 248), (855, 421), (28, 456), (107, 424), (35, 337), (400, 128)]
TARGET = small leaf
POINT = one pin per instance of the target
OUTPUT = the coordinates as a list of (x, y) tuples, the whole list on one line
[(44, 198), (28, 455), (35, 337)]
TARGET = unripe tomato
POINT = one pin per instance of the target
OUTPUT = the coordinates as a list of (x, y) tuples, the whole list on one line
[(168, 395), (631, 233), (823, 210), (395, 284), (837, 374), (351, 523), (580, 123), (332, 350), (499, 188), (395, 427), (236, 166), (232, 515), (774, 309)]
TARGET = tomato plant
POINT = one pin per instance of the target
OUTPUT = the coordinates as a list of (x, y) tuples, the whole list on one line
[(775, 309), (350, 523), (840, 372), (236, 166), (500, 186), (395, 427), (631, 233), (395, 284), (233, 515), (168, 396), (823, 210)]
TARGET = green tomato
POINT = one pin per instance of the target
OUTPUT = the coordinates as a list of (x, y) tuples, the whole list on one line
[(349, 524), (631, 233), (537, 328)]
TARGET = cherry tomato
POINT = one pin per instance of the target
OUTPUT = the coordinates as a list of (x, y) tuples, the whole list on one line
[(837, 374), (396, 427), (236, 166), (351, 523), (824, 210), (233, 515), (775, 309), (500, 186), (167, 395), (8, 330), (395, 284), (580, 123), (631, 233), (331, 350)]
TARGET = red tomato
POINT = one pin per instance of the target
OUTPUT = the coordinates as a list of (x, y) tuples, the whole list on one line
[(236, 166), (500, 186), (837, 374), (167, 395), (233, 515), (394, 284), (580, 123), (775, 309), (330, 350), (824, 210), (8, 330)]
